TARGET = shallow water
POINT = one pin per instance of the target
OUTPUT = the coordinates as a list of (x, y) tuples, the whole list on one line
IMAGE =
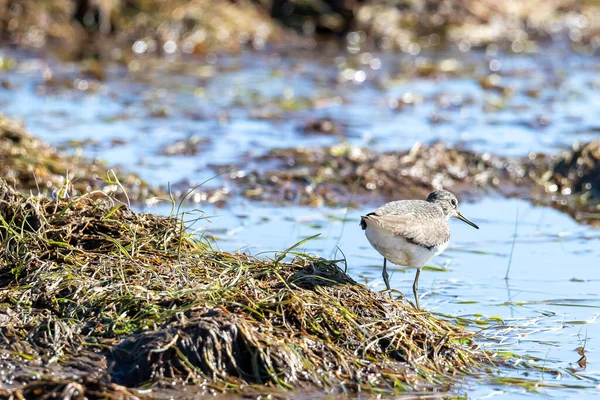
[(243, 106), (548, 306)]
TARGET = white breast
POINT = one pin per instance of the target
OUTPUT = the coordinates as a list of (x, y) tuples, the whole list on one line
[(398, 250)]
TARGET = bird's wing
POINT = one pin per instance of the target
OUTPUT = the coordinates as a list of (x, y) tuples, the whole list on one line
[(407, 226), (394, 207)]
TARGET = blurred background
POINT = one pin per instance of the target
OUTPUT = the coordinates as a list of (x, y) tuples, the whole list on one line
[(281, 119)]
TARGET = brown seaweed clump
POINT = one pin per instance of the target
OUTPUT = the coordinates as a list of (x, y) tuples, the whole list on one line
[(342, 174), (570, 181), (88, 28), (30, 164), (97, 299), (479, 23), (334, 175), (576, 171)]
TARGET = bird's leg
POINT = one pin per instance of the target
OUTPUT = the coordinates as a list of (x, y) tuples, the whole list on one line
[(385, 275), (416, 288)]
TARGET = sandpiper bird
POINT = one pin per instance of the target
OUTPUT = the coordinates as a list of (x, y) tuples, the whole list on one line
[(412, 232)]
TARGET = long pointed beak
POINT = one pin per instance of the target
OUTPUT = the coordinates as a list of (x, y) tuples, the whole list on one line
[(464, 219)]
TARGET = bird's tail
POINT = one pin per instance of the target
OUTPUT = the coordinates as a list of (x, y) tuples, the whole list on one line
[(363, 222)]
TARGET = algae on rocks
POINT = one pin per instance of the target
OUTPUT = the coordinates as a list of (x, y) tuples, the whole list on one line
[(97, 297)]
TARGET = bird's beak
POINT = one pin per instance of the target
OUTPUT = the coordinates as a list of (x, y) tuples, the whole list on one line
[(464, 219)]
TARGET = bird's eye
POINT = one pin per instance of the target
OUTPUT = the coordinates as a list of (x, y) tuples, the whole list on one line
[(454, 203)]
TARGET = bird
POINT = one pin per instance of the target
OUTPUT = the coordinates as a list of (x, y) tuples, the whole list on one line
[(411, 232)]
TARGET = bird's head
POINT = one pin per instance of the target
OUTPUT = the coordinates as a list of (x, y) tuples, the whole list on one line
[(449, 204)]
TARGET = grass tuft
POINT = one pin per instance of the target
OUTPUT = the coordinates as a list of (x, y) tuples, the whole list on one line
[(98, 298)]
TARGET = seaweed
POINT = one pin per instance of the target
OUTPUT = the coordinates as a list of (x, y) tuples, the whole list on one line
[(97, 298), (331, 175)]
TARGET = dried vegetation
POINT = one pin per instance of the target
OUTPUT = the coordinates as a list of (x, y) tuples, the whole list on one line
[(480, 22), (95, 298)]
